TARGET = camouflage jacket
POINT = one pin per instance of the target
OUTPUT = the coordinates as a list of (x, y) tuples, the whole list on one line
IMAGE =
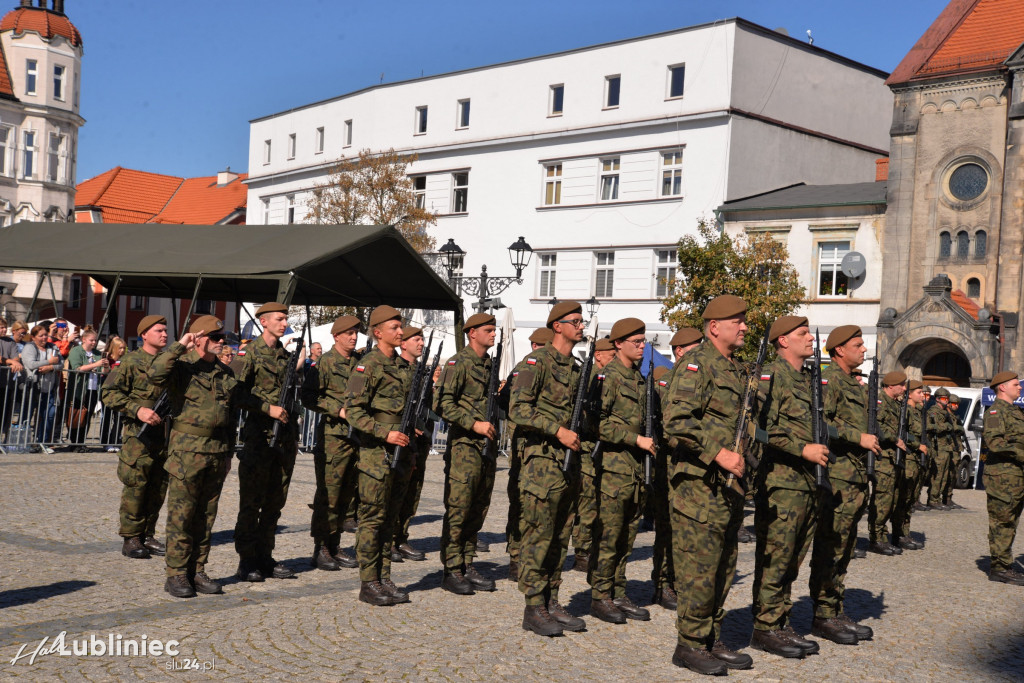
[(623, 409), (132, 389), (1004, 433), (544, 391), (785, 416), (462, 396), (205, 398), (888, 423), (941, 427), (847, 415), (263, 372), (376, 393), (326, 394)]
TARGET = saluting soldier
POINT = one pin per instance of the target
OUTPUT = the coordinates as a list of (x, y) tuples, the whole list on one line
[(542, 404), (140, 464), (1004, 476), (880, 511), (204, 398), (376, 395), (702, 407), (786, 504), (619, 472), (335, 459), (944, 452), (907, 484)]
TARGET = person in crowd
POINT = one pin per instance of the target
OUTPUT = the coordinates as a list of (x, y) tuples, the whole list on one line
[(10, 372), (110, 425), (87, 365), (43, 362)]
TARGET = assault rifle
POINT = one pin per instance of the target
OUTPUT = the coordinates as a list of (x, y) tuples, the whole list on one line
[(576, 420), (901, 428), (872, 412), (491, 411), (819, 428), (410, 412), (162, 408), (741, 437), (422, 403), (649, 422), (288, 389)]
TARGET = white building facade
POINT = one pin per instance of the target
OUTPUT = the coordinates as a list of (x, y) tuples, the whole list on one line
[(601, 157)]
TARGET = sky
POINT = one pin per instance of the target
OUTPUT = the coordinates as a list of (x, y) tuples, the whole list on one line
[(170, 86)]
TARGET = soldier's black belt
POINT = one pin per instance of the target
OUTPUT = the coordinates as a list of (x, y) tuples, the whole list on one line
[(208, 432), (387, 418)]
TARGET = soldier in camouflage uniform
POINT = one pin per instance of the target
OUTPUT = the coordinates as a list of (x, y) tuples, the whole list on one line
[(907, 481), (959, 447), (927, 463), (944, 453), (335, 459), (204, 399), (1004, 476), (376, 396), (700, 416), (880, 509), (541, 406), (140, 464)]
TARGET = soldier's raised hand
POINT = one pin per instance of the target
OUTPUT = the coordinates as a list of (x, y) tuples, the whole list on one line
[(189, 339)]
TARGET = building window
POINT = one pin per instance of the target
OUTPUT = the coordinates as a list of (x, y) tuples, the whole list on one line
[(291, 208), (967, 182), (831, 281), (28, 167), (963, 245), (75, 293), (604, 277), (974, 288), (421, 120), (319, 140), (460, 192), (609, 179), (463, 114), (348, 133), (6, 137), (291, 145), (203, 307), (611, 91), (266, 151), (30, 77), (56, 152), (556, 100), (58, 82), (547, 275), (945, 245), (137, 303), (980, 243), (676, 75), (672, 173), (419, 191), (668, 260), (552, 184), (266, 212)]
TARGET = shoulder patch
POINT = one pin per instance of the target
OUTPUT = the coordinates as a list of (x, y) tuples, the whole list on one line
[(515, 374), (692, 367), (531, 361), (360, 368), (766, 378), (993, 412), (662, 383), (451, 362), (824, 381), (601, 377)]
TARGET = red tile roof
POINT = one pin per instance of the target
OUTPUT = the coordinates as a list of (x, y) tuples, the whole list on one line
[(961, 300), (42, 21), (200, 201), (6, 88)]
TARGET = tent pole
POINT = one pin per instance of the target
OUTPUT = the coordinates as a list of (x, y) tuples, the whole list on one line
[(460, 340), (192, 306), (35, 296), (110, 297), (53, 295), (286, 290)]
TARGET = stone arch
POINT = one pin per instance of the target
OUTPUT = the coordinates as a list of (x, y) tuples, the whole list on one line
[(948, 105), (929, 108), (990, 101), (969, 103), (917, 346), (937, 361)]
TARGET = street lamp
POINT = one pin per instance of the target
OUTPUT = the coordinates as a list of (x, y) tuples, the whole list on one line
[(592, 305), (552, 303), (485, 287)]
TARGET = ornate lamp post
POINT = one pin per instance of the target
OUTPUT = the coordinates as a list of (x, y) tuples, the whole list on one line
[(485, 287)]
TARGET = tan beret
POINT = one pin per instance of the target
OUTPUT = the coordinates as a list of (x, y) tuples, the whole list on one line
[(914, 384), (722, 307), (271, 307), (685, 336), (1001, 377), (384, 313), (477, 320), (841, 335), (626, 327), (893, 378), (542, 335), (410, 332), (344, 323), (207, 324), (785, 325), (659, 372), (148, 322), (604, 344), (562, 309)]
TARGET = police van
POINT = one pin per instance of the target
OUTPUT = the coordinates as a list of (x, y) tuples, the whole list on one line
[(971, 414)]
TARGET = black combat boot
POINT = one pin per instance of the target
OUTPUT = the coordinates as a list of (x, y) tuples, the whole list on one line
[(374, 593), (581, 562), (410, 553), (204, 584), (482, 546), (154, 546), (731, 658), (455, 582), (322, 559), (860, 630), (249, 570), (397, 594), (271, 567), (567, 621), (606, 610), (776, 643), (344, 559), (478, 580), (832, 629), (810, 647), (880, 548), (631, 611), (666, 597), (1010, 576)]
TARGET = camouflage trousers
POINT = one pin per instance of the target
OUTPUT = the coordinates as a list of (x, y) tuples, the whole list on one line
[(924, 476), (906, 495), (264, 474), (784, 524), (706, 517), (411, 487), (586, 513), (883, 500), (468, 483), (940, 476), (547, 496), (141, 471), (834, 540), (1004, 492), (335, 466), (512, 535), (620, 503), (377, 511), (193, 493), (663, 569)]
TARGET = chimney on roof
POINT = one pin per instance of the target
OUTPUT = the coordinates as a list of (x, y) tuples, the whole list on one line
[(26, 3), (881, 169), (42, 4), (58, 6), (226, 177)]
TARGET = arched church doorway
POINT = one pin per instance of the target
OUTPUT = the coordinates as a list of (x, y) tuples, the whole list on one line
[(938, 362)]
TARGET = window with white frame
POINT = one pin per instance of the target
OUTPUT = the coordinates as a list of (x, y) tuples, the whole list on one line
[(552, 184), (319, 140), (609, 179), (291, 145), (28, 166), (75, 293), (604, 275), (463, 114), (831, 280), (58, 82), (266, 212), (667, 262), (419, 191), (348, 133), (31, 71), (266, 151), (421, 120), (556, 100), (611, 91), (6, 151), (672, 173), (460, 192), (547, 274), (291, 208), (676, 77), (55, 158)]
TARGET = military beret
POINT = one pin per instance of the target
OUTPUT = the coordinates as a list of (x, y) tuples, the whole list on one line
[(148, 322), (207, 324), (562, 309), (685, 336), (724, 306), (841, 335), (625, 327), (344, 323), (914, 384), (382, 314), (785, 325), (942, 391), (891, 379), (478, 320), (659, 372), (542, 335), (410, 332), (604, 344), (1001, 377), (271, 307)]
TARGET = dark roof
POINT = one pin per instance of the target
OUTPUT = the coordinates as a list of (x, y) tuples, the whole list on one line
[(802, 196)]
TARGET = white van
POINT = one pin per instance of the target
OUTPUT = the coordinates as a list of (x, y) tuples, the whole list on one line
[(971, 416)]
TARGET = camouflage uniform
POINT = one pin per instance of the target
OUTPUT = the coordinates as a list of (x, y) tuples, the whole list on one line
[(376, 395), (786, 504), (924, 473), (943, 451), (402, 485), (542, 401), (140, 465), (884, 499), (703, 400), (1004, 480), (585, 517), (512, 530), (841, 510), (205, 398), (662, 567), (908, 481), (264, 473), (413, 483)]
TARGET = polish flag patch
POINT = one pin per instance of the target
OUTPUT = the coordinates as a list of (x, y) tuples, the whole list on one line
[(360, 368), (515, 374), (992, 412), (601, 377), (531, 361), (692, 367), (451, 362), (662, 383), (766, 378), (824, 381)]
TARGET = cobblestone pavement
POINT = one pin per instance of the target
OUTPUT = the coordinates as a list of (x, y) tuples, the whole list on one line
[(934, 613)]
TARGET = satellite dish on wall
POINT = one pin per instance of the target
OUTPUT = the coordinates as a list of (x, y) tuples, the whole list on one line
[(854, 266)]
